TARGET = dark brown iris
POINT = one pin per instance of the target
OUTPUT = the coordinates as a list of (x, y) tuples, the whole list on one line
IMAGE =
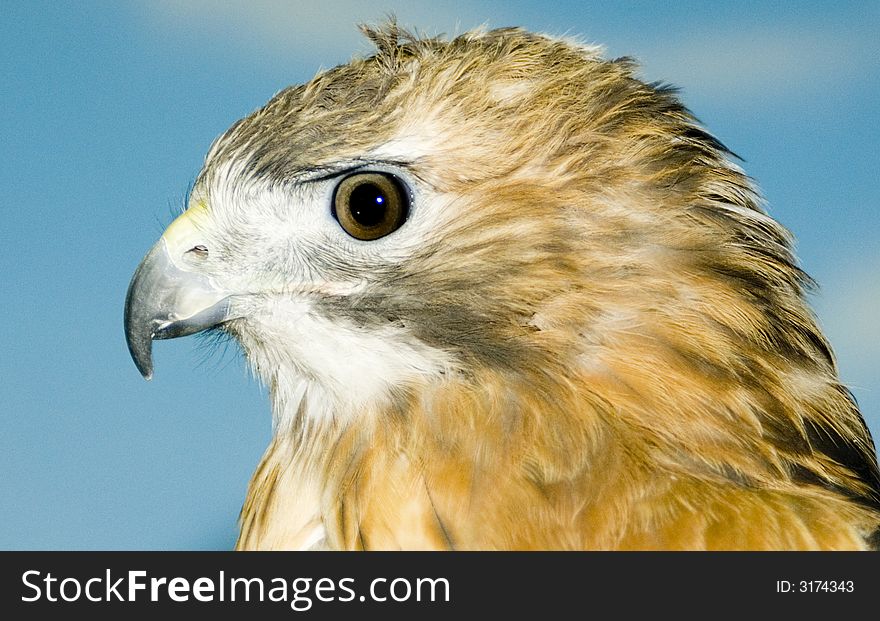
[(370, 205)]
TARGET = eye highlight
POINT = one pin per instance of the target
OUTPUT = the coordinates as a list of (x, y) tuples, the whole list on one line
[(370, 205)]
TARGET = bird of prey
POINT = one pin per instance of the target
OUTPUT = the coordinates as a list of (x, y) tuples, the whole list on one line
[(506, 295)]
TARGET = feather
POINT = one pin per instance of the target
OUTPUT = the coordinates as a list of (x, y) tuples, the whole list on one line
[(589, 336)]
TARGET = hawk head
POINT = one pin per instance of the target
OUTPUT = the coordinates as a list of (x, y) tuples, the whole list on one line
[(526, 275)]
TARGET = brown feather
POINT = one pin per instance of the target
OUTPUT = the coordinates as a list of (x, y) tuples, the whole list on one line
[(638, 366)]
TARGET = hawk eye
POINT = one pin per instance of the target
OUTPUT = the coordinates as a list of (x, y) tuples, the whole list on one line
[(370, 205)]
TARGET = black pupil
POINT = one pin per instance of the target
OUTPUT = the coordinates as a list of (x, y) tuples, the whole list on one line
[(368, 204)]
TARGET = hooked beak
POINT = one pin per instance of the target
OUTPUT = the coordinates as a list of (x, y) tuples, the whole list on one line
[(168, 296)]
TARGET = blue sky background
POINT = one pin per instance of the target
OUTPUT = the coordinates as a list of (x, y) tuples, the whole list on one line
[(107, 109)]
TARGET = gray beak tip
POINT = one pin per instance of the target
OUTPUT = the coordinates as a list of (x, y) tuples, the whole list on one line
[(144, 364), (137, 327), (141, 352)]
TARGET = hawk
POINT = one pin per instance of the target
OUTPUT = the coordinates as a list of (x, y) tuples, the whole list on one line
[(506, 295)]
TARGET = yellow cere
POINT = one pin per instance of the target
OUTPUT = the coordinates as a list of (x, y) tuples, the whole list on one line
[(186, 225)]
